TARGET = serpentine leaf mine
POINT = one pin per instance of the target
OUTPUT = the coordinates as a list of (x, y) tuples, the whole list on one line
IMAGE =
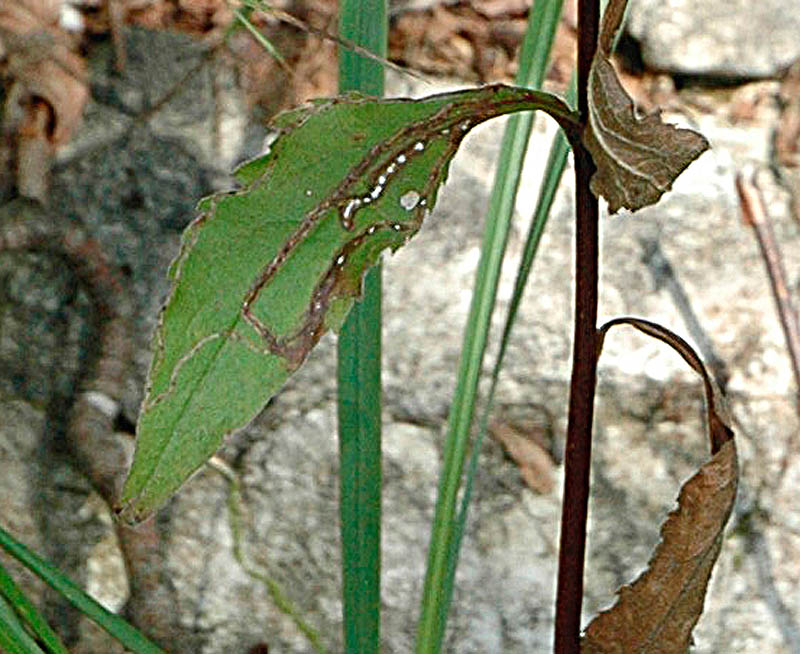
[(265, 270)]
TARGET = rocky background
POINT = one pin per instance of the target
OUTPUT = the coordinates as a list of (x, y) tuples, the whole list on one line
[(162, 132)]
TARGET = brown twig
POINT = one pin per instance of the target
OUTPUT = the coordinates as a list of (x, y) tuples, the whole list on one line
[(755, 215)]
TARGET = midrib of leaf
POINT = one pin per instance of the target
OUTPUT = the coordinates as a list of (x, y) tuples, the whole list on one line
[(603, 131), (165, 445), (686, 588)]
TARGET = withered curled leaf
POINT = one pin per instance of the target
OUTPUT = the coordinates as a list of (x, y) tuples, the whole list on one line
[(637, 158), (658, 611)]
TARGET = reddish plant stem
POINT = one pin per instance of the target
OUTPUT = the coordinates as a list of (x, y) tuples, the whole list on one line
[(577, 457)]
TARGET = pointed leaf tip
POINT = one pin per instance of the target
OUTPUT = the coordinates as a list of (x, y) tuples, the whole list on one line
[(658, 611), (264, 271)]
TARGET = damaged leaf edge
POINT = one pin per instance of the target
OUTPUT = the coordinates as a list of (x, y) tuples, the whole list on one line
[(723, 448)]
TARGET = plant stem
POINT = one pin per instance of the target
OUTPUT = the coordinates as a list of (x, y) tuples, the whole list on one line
[(755, 215), (577, 456), (447, 528)]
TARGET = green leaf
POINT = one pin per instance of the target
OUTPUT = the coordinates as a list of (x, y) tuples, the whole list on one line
[(637, 158), (264, 271)]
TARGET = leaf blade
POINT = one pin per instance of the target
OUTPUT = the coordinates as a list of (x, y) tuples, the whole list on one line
[(27, 612), (358, 383), (263, 272), (678, 573), (126, 634)]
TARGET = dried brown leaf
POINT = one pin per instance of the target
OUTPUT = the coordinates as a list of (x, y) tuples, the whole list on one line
[(535, 463), (657, 612), (40, 60), (637, 158)]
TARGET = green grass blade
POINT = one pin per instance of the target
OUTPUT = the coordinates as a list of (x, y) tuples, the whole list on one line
[(243, 18), (14, 639), (129, 636), (365, 23), (554, 169), (437, 592), (27, 612)]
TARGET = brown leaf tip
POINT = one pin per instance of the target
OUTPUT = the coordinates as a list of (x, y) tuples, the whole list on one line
[(637, 158), (658, 611)]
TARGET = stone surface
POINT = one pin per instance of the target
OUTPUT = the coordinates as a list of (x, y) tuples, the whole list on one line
[(719, 39), (649, 427)]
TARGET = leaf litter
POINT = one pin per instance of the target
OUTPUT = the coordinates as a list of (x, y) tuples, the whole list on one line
[(39, 56)]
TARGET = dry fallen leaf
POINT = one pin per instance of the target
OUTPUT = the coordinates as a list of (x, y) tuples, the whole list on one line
[(658, 611), (457, 40), (535, 463), (637, 158), (40, 61)]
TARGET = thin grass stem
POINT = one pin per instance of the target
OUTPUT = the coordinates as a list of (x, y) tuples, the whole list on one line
[(445, 539), (364, 22)]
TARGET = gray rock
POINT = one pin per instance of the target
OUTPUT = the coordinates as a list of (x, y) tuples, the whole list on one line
[(719, 39)]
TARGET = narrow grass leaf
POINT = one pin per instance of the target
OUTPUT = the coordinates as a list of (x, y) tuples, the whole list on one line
[(365, 24), (261, 39), (28, 613), (446, 533), (129, 636), (14, 638), (554, 169)]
